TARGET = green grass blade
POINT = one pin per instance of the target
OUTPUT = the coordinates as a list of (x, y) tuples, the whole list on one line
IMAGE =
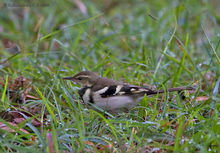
[(213, 49), (3, 99), (69, 26), (46, 103), (165, 50)]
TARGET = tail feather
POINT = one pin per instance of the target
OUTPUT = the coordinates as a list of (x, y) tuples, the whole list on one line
[(152, 92)]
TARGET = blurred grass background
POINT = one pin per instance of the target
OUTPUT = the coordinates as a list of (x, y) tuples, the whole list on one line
[(162, 43)]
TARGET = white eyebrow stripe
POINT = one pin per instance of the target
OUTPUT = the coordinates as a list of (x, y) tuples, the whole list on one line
[(103, 90), (118, 88), (85, 76)]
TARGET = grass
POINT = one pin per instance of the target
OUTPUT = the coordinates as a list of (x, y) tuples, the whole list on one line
[(162, 43)]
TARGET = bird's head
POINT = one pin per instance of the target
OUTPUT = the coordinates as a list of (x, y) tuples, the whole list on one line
[(84, 78)]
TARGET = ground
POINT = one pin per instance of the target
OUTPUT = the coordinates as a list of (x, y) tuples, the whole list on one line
[(158, 43)]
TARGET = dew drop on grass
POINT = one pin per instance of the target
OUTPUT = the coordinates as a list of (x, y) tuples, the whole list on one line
[(149, 140), (4, 135), (182, 141), (155, 149), (108, 138), (186, 149), (190, 141)]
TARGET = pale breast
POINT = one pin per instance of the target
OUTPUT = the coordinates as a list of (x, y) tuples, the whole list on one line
[(115, 103), (110, 98)]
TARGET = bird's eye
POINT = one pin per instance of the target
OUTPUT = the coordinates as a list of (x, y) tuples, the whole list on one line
[(79, 78)]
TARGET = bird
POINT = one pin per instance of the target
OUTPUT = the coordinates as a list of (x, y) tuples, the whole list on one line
[(111, 95)]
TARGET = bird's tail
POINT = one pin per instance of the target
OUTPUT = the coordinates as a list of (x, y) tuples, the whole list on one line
[(152, 92)]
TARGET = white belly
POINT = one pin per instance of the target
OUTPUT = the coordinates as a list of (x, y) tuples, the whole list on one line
[(112, 103), (115, 103)]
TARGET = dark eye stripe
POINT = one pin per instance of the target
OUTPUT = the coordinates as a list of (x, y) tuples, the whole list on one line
[(109, 92)]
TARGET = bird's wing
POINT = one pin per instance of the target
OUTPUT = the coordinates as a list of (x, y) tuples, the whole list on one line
[(123, 89), (105, 82)]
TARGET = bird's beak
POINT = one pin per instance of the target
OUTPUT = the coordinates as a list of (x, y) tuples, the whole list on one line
[(68, 78)]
